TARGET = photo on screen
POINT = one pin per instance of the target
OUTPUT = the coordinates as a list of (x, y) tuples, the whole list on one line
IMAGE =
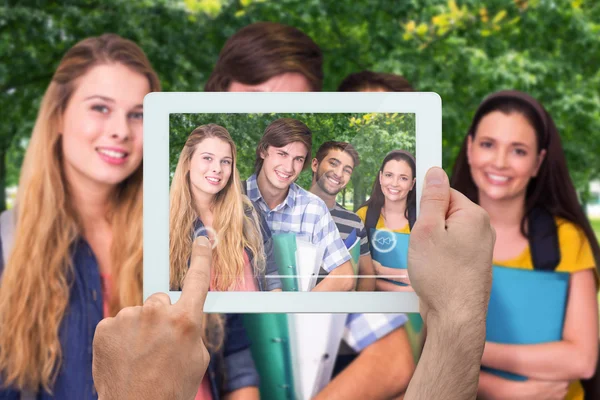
[(294, 202)]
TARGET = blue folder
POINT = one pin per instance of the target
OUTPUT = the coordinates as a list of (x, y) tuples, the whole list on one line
[(390, 249), (526, 307), (349, 241)]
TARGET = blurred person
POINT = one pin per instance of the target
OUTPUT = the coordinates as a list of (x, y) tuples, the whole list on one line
[(512, 164), (369, 81), (392, 205), (386, 355), (268, 57), (207, 199), (450, 227), (72, 246)]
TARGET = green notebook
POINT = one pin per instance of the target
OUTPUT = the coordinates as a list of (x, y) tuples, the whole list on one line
[(270, 349), (284, 251)]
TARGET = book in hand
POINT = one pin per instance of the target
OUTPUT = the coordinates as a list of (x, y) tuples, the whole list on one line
[(390, 249), (526, 307), (314, 343), (298, 261)]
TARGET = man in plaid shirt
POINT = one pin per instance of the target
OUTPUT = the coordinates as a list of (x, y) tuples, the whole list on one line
[(282, 154), (373, 344)]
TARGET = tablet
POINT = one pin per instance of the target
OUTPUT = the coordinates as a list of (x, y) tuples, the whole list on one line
[(286, 237)]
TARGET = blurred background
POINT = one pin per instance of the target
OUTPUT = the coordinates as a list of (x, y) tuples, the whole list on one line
[(461, 49)]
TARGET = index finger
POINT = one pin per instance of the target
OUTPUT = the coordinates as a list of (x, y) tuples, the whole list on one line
[(197, 278)]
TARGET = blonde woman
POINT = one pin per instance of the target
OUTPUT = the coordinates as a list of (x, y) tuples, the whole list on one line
[(207, 199), (72, 247)]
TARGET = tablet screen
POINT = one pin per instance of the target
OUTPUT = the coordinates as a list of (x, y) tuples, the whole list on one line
[(284, 199)]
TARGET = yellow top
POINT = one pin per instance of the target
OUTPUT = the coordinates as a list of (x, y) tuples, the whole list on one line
[(362, 214), (575, 255)]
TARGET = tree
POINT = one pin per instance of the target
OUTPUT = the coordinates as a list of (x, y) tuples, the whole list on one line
[(462, 50)]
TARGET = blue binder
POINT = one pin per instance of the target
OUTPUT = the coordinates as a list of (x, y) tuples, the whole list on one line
[(390, 249), (526, 307)]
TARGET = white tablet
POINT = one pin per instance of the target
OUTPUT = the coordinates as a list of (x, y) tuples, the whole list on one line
[(296, 198)]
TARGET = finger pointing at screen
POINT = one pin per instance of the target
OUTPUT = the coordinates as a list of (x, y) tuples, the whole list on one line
[(156, 350)]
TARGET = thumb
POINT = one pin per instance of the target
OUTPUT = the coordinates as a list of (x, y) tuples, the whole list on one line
[(435, 199)]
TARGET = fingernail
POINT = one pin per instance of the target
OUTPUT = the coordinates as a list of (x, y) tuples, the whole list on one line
[(202, 241), (435, 177)]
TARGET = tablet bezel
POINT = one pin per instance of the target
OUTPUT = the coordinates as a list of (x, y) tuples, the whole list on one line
[(427, 107)]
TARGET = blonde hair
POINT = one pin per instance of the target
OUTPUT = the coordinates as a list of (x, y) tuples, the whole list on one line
[(35, 287), (236, 230)]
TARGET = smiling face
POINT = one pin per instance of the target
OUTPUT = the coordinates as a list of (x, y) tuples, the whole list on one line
[(101, 127), (282, 165), (396, 180), (503, 155), (333, 173), (211, 167)]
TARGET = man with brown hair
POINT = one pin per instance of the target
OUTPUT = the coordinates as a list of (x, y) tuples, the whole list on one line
[(268, 57), (369, 81), (281, 155)]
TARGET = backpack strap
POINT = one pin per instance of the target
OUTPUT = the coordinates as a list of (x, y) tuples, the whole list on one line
[(543, 240), (371, 221)]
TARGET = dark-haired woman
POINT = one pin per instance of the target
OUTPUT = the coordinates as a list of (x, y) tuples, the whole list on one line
[(391, 205), (512, 164)]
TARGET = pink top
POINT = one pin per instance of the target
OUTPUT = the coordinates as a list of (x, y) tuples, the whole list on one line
[(204, 391), (249, 284), (106, 288)]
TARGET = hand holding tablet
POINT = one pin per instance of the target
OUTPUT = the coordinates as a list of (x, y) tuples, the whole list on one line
[(156, 350)]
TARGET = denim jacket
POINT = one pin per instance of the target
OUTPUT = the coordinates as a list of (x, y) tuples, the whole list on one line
[(76, 332), (231, 369)]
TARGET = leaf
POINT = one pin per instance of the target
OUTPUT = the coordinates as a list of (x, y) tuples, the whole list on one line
[(499, 16), (422, 29), (453, 7)]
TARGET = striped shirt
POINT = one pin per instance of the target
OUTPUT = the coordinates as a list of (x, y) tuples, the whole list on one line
[(347, 221)]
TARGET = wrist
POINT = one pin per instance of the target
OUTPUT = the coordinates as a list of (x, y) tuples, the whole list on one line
[(463, 333)]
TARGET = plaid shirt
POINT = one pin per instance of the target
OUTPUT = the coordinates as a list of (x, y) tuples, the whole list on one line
[(307, 216), (363, 330)]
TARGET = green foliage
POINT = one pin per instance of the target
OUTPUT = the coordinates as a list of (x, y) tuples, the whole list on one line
[(373, 135), (461, 49)]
